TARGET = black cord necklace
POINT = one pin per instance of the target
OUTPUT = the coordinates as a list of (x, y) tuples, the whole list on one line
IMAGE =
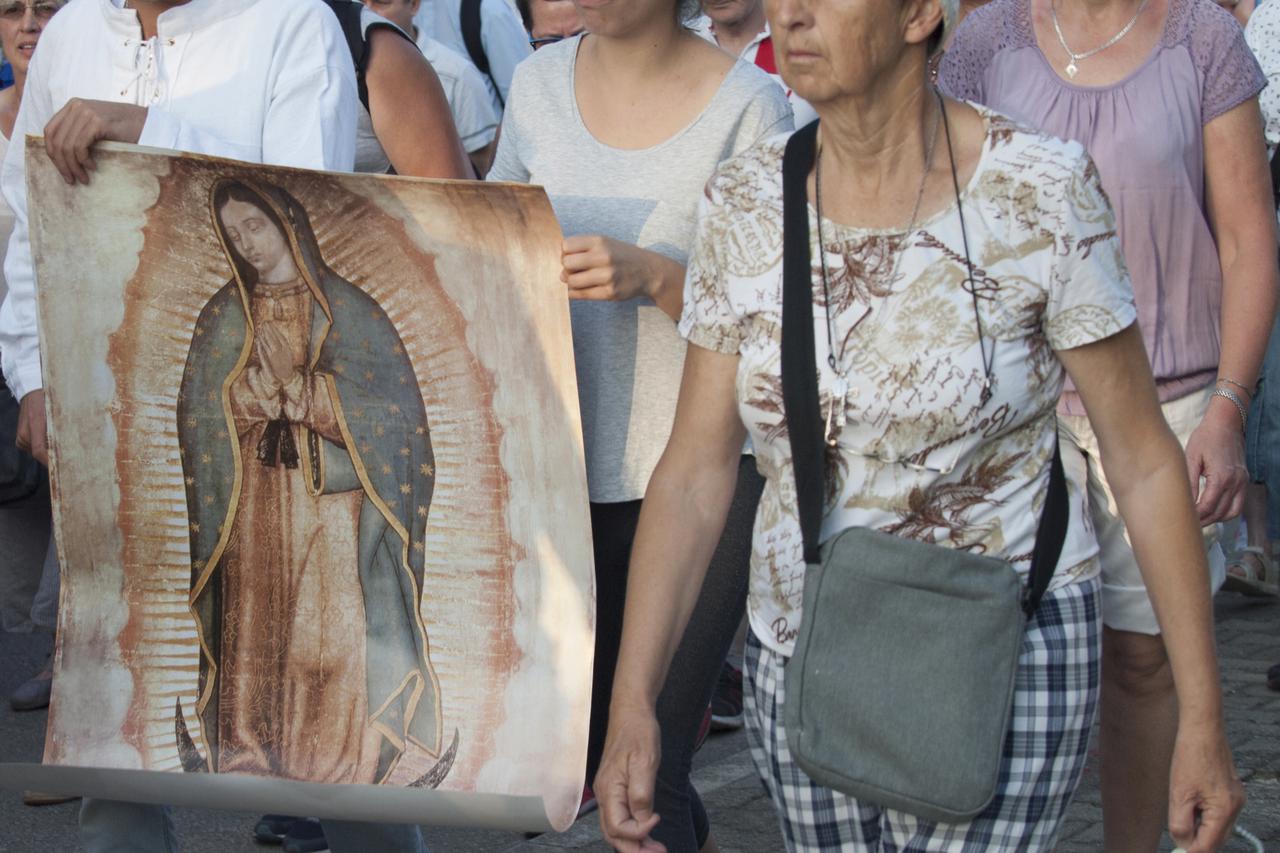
[(835, 411)]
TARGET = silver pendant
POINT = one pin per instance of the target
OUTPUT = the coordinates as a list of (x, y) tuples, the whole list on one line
[(1072, 70), (835, 411)]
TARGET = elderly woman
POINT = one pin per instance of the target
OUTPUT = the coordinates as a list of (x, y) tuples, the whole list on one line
[(962, 268), (1163, 94), (623, 126)]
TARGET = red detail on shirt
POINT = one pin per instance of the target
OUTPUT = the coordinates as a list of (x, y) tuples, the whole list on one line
[(764, 56)]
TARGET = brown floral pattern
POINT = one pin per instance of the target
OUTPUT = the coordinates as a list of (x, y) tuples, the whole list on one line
[(931, 448)]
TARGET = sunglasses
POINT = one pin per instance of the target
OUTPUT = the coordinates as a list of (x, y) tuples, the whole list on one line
[(41, 10)]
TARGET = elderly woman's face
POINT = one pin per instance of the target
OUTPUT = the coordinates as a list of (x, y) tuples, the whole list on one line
[(619, 17), (255, 237), (826, 49), (21, 22)]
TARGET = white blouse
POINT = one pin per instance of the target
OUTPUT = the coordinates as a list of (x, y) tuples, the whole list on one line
[(1050, 276)]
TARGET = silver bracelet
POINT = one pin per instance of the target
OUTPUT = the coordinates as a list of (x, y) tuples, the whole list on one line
[(1237, 402)]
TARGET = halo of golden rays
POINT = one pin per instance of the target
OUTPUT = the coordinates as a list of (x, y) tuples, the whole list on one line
[(467, 591)]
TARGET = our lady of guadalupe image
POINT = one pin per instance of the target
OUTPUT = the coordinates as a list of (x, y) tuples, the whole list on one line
[(309, 473), (319, 493)]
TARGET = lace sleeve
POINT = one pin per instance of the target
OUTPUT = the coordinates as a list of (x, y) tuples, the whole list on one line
[(983, 33), (1229, 74)]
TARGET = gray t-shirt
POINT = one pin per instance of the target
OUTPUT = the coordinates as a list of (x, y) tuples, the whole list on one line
[(629, 355)]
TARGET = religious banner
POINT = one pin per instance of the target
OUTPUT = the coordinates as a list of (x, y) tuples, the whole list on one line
[(319, 493)]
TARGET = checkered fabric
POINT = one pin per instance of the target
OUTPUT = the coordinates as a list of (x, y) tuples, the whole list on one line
[(1055, 698)]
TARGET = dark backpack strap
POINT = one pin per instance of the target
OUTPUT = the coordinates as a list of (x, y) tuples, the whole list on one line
[(1275, 175), (801, 405), (349, 16), (473, 39), (348, 13)]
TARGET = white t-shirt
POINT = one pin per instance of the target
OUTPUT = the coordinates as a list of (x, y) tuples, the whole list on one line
[(464, 86), (502, 35), (1050, 276), (290, 101), (800, 108)]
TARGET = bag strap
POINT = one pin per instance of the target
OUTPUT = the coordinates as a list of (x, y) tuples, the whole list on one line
[(349, 14), (800, 383), (473, 39), (1275, 175)]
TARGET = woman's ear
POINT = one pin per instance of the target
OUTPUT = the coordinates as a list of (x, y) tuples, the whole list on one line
[(923, 18)]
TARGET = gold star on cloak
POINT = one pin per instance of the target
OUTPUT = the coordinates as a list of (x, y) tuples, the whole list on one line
[(386, 469), (427, 470), (406, 489)]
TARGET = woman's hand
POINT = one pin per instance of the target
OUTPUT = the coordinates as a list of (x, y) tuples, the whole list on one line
[(1215, 451), (1205, 794), (275, 354), (624, 783), (33, 429), (603, 269)]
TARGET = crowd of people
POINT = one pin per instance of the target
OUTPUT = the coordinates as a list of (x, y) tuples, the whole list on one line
[(1041, 249)]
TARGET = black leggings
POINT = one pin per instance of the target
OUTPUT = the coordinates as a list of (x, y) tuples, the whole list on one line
[(694, 669)]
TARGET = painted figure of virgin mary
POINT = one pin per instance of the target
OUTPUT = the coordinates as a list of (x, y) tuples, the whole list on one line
[(309, 474)]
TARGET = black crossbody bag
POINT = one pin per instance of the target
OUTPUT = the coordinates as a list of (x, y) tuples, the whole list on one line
[(900, 688)]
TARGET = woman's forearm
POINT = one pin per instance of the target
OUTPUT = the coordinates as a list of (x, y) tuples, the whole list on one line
[(1250, 282), (1152, 492), (680, 523)]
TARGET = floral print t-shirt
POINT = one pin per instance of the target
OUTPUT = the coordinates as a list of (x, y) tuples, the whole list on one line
[(1049, 276)]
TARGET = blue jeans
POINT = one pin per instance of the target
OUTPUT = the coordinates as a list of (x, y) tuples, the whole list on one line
[(108, 826), (1262, 439)]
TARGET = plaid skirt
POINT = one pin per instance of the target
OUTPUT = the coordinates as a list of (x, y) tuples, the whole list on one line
[(1056, 694)]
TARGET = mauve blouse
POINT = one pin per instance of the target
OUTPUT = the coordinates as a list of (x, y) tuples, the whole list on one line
[(1145, 133)]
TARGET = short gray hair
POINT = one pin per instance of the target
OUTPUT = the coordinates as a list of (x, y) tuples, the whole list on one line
[(687, 10)]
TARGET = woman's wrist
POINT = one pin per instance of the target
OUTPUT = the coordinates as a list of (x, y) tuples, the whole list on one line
[(1228, 409)]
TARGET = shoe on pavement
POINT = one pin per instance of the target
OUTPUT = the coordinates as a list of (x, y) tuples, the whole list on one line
[(38, 798), (33, 694), (704, 729), (726, 702), (273, 828), (305, 836), (588, 804)]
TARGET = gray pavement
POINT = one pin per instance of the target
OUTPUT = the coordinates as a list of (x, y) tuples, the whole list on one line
[(1248, 638)]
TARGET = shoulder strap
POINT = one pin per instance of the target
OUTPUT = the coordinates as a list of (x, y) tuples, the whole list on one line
[(469, 18), (800, 401), (473, 38), (1275, 175), (799, 366), (349, 16)]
